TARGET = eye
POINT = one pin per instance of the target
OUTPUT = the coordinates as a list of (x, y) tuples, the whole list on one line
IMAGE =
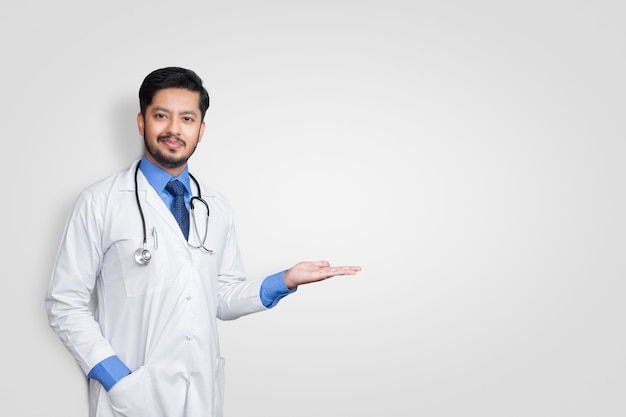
[(159, 116), (188, 119)]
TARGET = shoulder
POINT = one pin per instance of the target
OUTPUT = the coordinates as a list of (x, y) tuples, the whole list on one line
[(103, 189), (205, 190), (213, 197)]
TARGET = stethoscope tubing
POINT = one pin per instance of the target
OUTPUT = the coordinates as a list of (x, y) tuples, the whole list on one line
[(143, 255)]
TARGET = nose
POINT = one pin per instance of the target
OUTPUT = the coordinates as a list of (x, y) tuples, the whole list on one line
[(173, 127)]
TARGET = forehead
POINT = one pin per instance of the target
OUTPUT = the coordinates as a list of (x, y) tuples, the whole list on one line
[(176, 99)]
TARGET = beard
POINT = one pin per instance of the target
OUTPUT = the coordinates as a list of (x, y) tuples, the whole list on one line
[(164, 159)]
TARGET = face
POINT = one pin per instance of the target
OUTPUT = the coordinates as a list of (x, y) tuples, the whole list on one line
[(171, 128)]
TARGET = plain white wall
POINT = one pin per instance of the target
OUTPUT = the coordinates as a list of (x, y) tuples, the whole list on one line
[(468, 155)]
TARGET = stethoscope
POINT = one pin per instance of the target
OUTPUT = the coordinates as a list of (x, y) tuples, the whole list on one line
[(143, 254)]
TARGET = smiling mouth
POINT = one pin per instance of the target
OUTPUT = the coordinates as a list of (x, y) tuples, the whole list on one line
[(171, 141)]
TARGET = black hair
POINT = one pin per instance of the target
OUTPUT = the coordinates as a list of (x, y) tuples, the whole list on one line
[(172, 77)]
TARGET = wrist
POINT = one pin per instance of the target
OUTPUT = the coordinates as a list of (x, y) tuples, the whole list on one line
[(109, 372), (289, 282)]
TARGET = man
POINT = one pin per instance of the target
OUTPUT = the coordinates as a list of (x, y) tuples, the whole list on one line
[(161, 278)]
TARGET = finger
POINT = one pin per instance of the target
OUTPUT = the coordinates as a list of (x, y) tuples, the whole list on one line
[(343, 270)]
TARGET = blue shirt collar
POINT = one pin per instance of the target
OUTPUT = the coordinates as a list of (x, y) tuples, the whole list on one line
[(158, 177)]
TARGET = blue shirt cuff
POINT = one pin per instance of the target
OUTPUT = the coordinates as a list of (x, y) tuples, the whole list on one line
[(273, 289), (109, 372)]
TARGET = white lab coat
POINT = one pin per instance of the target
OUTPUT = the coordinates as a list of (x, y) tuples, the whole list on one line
[(160, 319)]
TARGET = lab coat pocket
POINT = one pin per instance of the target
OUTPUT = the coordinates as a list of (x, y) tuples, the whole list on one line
[(218, 388), (158, 275), (133, 396)]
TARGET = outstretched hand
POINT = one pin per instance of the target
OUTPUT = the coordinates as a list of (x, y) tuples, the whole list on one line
[(307, 272)]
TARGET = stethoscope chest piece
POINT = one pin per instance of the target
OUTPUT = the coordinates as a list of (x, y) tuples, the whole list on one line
[(143, 256)]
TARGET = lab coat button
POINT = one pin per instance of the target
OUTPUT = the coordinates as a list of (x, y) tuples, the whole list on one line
[(188, 298), (187, 338)]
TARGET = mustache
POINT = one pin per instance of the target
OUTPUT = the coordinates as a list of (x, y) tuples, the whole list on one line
[(169, 137)]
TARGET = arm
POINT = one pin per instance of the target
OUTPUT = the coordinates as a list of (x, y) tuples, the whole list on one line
[(69, 294), (279, 285)]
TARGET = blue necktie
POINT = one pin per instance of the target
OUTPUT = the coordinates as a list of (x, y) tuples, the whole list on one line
[(178, 209)]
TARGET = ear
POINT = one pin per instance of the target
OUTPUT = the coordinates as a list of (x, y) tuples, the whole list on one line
[(201, 133), (140, 124)]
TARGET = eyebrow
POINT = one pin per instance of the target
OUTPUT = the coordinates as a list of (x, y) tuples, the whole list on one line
[(163, 109)]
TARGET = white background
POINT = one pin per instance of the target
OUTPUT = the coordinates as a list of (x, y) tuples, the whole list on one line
[(468, 155)]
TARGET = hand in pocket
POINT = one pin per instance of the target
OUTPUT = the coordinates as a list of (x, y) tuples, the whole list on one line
[(133, 396)]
